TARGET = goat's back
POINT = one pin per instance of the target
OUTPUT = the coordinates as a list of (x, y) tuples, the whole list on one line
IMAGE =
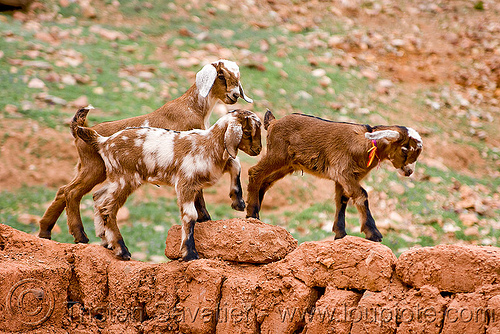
[(315, 143), (174, 115)]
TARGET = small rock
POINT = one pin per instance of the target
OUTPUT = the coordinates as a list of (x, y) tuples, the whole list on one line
[(319, 72), (68, 79), (10, 109), (81, 101), (28, 219), (303, 95), (36, 83), (468, 219)]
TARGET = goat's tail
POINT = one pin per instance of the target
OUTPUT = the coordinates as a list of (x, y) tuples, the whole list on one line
[(268, 118), (89, 136), (80, 119)]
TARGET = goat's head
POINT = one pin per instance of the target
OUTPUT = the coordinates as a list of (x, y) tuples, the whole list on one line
[(405, 145), (243, 132), (222, 80)]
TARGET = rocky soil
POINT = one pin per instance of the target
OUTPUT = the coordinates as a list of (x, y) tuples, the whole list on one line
[(345, 286)]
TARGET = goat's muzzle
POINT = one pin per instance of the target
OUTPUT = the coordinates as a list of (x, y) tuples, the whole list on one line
[(407, 170)]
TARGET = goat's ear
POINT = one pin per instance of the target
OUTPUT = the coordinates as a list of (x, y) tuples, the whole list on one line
[(389, 135), (243, 96), (232, 138), (205, 79)]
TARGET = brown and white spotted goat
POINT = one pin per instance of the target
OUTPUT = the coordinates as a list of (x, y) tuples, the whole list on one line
[(189, 161), (342, 152), (215, 82)]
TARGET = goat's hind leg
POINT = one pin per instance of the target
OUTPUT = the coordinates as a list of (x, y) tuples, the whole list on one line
[(52, 213), (89, 175), (340, 205)]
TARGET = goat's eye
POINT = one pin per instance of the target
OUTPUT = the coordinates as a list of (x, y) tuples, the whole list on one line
[(404, 149)]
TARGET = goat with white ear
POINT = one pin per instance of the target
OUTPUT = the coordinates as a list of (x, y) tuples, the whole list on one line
[(342, 152), (187, 160), (216, 82)]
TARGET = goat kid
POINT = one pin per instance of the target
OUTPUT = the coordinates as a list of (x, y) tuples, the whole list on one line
[(342, 152), (189, 161), (215, 82)]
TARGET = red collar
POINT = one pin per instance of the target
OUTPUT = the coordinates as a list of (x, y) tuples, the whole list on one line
[(372, 153)]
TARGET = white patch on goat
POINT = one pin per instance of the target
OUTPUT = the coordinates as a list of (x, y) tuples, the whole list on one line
[(142, 131), (145, 124), (112, 187), (414, 134), (137, 179), (98, 223), (122, 182), (102, 140), (138, 142), (194, 164), (382, 134), (124, 138), (157, 149), (189, 212), (231, 66), (110, 236), (112, 145)]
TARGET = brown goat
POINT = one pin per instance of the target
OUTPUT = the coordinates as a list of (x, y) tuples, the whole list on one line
[(215, 82), (342, 152), (187, 160)]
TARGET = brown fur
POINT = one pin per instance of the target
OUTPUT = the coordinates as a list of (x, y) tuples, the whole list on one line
[(332, 150), (189, 111), (189, 161)]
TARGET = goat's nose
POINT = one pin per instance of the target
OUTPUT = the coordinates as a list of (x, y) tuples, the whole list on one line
[(236, 95)]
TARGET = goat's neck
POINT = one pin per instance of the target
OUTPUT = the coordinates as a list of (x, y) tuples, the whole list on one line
[(201, 105), (215, 139)]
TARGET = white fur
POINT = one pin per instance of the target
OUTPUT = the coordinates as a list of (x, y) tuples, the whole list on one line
[(193, 165), (189, 212), (205, 79), (414, 134), (383, 134), (157, 148), (230, 66)]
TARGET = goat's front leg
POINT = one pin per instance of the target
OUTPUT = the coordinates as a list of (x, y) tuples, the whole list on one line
[(340, 205), (233, 167), (360, 199), (260, 178), (189, 216)]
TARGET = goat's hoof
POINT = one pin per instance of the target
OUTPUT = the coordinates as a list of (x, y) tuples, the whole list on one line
[(124, 257), (340, 235), (238, 205), (82, 240), (45, 235), (377, 237), (204, 218), (190, 256)]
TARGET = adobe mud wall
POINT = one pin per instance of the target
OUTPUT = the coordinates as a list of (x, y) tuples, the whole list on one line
[(345, 286)]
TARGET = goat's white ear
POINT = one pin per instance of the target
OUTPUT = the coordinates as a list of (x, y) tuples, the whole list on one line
[(205, 79), (232, 138), (389, 135), (243, 96)]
